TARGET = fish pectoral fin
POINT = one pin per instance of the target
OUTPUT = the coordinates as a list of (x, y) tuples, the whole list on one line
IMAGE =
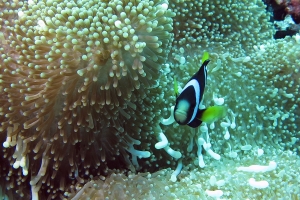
[(212, 114), (176, 87)]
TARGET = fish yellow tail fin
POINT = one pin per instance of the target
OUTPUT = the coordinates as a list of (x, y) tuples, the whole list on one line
[(212, 114)]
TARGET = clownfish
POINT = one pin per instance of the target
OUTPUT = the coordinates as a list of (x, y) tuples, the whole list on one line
[(186, 111)]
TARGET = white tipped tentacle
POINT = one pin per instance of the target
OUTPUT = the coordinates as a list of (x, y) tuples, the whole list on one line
[(218, 101), (163, 141), (177, 171), (170, 120), (259, 168), (258, 184), (173, 153)]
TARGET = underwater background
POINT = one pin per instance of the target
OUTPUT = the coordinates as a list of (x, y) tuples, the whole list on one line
[(87, 94)]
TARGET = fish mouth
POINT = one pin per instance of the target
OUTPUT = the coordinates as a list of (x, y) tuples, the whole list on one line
[(180, 117)]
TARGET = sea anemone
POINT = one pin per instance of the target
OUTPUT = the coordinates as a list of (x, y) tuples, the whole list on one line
[(75, 84), (77, 100)]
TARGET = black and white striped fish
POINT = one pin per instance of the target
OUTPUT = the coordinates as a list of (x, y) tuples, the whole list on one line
[(186, 111)]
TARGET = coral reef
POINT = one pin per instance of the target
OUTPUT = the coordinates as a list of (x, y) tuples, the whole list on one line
[(291, 7), (285, 21), (81, 101)]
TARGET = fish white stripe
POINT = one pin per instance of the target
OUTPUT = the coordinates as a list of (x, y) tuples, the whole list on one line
[(195, 84), (205, 74)]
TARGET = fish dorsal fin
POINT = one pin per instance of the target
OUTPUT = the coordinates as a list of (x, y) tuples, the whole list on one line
[(205, 56)]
